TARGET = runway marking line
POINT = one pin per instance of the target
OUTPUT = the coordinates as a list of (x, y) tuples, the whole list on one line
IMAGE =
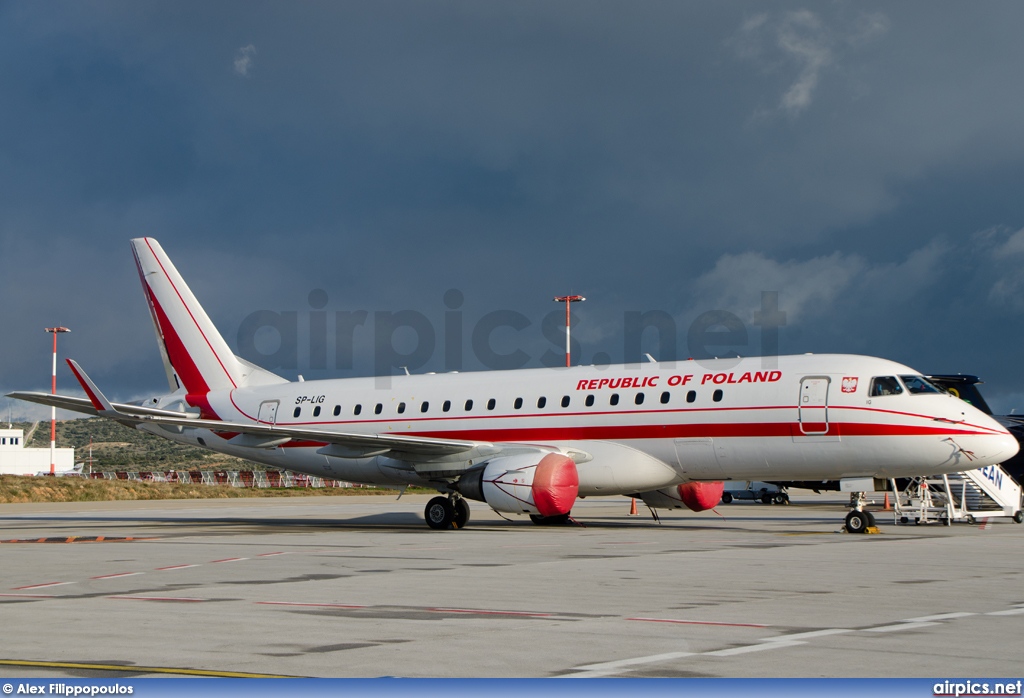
[(940, 616), (116, 575), (269, 554), (701, 622), (142, 669), (228, 559), (302, 603), (900, 626), (40, 586), (29, 596), (182, 599), (473, 611), (759, 647)]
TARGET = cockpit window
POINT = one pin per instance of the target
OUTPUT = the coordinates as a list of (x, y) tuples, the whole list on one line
[(885, 385), (917, 385)]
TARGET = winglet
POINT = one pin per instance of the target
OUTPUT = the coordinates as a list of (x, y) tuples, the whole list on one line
[(98, 400)]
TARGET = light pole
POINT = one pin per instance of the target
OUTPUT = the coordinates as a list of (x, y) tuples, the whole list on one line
[(567, 300), (53, 391)]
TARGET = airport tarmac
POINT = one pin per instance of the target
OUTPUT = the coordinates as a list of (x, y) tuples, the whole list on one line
[(360, 587)]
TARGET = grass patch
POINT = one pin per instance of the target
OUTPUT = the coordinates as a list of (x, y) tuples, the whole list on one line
[(16, 489)]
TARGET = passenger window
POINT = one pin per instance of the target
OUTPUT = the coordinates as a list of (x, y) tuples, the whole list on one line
[(297, 412), (491, 403), (717, 396), (590, 401), (884, 385), (614, 399), (425, 406), (639, 399), (357, 409), (469, 405), (401, 408), (541, 402), (665, 397), (565, 401), (518, 404), (446, 406), (917, 385), (691, 396), (316, 411), (378, 409), (337, 410)]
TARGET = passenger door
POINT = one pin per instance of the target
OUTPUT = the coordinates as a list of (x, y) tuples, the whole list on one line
[(813, 408)]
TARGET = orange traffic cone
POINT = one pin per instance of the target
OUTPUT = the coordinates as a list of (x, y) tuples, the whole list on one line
[(632, 506), (886, 501)]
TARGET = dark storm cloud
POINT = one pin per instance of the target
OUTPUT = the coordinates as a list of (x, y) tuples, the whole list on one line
[(862, 159)]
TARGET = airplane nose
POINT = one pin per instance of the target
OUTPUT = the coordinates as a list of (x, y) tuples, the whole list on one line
[(1006, 447)]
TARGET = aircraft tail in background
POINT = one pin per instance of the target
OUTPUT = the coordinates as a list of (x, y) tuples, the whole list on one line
[(195, 355)]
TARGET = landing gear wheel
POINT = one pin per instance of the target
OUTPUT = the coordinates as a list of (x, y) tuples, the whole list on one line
[(766, 499), (781, 498), (1018, 517), (439, 513), (857, 522), (871, 519), (461, 517), (726, 498), (550, 520)]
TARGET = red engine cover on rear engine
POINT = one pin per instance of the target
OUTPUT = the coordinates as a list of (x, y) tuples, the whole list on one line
[(700, 496), (555, 485)]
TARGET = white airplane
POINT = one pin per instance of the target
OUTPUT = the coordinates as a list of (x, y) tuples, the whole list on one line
[(531, 441)]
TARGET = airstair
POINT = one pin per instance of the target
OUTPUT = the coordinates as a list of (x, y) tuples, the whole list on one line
[(967, 496)]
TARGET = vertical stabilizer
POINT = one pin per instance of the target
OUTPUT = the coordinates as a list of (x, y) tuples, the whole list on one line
[(195, 356)]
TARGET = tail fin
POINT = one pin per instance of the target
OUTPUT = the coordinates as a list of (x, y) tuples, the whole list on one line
[(195, 356)]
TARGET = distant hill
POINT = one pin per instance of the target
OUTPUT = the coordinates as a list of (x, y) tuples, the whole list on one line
[(116, 447)]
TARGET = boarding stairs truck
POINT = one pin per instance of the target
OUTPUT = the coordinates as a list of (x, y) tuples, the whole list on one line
[(968, 496)]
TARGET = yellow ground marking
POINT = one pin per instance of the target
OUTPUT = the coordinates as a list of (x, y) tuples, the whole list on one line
[(142, 669)]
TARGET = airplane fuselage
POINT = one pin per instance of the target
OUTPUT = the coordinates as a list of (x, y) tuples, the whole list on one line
[(629, 428)]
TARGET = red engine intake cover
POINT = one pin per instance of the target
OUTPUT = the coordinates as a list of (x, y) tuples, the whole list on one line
[(700, 496), (555, 485)]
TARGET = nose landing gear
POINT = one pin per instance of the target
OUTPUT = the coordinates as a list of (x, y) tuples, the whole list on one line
[(859, 520)]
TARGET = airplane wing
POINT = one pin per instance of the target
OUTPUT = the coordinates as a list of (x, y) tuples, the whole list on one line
[(262, 435), (85, 406)]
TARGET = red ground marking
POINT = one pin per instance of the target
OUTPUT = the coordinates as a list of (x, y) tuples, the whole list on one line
[(298, 603), (268, 554), (30, 596), (119, 574), (228, 559), (175, 567), (37, 586), (700, 622)]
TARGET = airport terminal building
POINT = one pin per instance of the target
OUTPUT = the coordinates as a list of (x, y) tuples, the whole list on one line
[(15, 459)]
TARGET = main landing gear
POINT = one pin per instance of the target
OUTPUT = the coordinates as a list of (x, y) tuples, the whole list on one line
[(447, 512)]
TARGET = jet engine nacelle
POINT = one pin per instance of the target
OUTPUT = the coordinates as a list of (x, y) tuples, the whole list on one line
[(696, 496), (526, 483)]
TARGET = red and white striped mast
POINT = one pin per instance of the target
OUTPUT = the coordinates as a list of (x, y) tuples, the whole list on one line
[(567, 300), (53, 391)]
